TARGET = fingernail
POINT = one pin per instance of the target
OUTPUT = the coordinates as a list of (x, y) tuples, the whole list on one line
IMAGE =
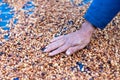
[(46, 46), (43, 49), (68, 52)]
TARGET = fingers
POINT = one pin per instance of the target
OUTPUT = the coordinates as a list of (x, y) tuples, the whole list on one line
[(57, 38), (54, 45), (59, 50), (72, 50)]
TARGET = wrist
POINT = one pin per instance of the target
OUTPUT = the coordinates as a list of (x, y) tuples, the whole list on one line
[(87, 27)]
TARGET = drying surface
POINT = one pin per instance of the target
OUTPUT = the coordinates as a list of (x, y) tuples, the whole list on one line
[(21, 57)]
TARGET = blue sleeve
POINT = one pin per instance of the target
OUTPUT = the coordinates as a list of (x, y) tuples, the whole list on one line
[(101, 12)]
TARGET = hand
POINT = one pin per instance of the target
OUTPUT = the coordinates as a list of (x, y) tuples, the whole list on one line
[(71, 42)]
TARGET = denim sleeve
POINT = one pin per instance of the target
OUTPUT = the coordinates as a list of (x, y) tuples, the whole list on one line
[(101, 12)]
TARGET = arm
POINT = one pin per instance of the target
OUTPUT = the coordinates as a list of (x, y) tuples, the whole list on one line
[(101, 12)]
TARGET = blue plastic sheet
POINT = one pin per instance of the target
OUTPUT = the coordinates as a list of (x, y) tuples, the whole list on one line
[(17, 78), (7, 13), (29, 8), (81, 3), (81, 66)]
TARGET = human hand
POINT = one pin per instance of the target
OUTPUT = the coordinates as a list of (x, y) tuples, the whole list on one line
[(71, 42)]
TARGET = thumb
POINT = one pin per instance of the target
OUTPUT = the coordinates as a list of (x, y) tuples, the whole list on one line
[(72, 50)]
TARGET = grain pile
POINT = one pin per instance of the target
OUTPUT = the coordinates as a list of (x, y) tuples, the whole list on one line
[(21, 57)]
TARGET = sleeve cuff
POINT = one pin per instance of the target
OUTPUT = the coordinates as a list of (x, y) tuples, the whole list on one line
[(93, 21)]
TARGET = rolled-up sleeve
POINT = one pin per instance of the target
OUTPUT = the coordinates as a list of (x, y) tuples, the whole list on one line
[(101, 12)]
